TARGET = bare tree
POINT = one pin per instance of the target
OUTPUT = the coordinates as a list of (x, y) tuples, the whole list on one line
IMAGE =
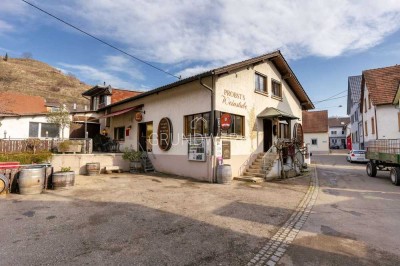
[(60, 118)]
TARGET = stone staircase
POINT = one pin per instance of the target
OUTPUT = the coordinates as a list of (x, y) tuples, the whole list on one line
[(146, 163), (257, 172)]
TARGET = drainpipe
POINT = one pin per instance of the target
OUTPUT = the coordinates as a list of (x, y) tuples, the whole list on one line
[(212, 118), (376, 124)]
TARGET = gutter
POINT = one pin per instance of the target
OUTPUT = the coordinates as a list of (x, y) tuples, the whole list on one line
[(212, 118)]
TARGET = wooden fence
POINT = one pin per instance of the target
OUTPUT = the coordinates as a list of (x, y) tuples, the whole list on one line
[(29, 145)]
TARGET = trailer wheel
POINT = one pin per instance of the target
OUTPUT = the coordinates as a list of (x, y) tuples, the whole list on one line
[(371, 169), (395, 175)]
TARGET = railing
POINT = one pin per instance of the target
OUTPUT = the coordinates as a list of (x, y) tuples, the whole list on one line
[(35, 145), (244, 166), (266, 158), (391, 146)]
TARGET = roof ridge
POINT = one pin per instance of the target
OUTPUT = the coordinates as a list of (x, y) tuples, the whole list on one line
[(378, 68)]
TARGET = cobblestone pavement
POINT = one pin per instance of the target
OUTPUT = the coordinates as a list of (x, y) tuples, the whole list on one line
[(271, 253)]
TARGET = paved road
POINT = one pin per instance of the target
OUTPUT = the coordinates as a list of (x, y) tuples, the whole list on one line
[(355, 220)]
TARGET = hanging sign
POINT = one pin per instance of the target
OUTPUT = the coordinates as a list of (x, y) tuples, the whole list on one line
[(165, 134), (226, 121), (138, 116)]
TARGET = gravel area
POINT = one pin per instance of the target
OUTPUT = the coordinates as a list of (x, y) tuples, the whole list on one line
[(156, 219)]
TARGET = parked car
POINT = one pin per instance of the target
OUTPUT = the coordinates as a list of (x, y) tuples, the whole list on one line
[(357, 156)]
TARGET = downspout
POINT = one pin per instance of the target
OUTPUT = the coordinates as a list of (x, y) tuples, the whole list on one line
[(376, 123), (212, 118)]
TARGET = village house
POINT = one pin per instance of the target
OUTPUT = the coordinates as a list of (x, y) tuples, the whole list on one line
[(353, 110), (337, 132), (379, 105), (25, 116), (230, 113), (88, 120), (315, 128)]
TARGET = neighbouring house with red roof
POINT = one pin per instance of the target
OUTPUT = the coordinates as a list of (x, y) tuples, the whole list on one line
[(25, 116), (89, 120), (380, 103), (315, 128)]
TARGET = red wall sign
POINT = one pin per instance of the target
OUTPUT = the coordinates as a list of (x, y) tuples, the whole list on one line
[(226, 121)]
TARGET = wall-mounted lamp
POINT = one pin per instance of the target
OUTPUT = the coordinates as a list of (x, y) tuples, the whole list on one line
[(129, 127), (5, 134), (104, 131)]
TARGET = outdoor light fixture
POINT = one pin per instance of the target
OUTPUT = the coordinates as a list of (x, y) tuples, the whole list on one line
[(104, 131), (5, 134)]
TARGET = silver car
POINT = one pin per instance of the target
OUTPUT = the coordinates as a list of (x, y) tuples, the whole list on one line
[(357, 156)]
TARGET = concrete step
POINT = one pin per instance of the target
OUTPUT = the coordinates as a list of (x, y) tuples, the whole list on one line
[(252, 179), (254, 170), (253, 174), (255, 166)]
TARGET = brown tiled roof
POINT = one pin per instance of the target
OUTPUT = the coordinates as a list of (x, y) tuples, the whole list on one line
[(338, 121), (315, 122), (119, 95), (275, 57), (20, 104), (382, 84)]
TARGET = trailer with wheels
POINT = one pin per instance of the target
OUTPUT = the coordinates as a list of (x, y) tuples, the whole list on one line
[(384, 155)]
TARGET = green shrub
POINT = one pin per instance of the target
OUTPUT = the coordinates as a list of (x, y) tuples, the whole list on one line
[(26, 157), (65, 169)]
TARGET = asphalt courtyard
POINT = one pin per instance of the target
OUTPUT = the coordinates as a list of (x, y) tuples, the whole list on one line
[(126, 219)]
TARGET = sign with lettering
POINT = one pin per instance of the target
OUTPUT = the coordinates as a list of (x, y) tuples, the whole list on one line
[(197, 150), (226, 121), (235, 99), (165, 134), (226, 149), (138, 116)]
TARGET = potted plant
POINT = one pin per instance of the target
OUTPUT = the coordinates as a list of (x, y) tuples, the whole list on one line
[(133, 157), (64, 178)]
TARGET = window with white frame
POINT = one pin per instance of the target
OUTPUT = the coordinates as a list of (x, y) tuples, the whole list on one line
[(314, 141)]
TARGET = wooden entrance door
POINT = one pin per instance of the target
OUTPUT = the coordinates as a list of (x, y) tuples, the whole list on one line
[(267, 125)]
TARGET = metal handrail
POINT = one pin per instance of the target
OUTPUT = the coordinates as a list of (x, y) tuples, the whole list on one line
[(243, 167), (271, 150)]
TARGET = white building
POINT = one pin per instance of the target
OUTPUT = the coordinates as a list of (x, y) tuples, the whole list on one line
[(315, 127), (337, 132), (353, 110), (232, 112), (379, 105)]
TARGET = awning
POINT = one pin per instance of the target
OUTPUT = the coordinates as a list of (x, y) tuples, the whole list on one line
[(123, 111), (270, 112)]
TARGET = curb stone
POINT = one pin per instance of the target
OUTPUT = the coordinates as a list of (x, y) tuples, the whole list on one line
[(271, 253)]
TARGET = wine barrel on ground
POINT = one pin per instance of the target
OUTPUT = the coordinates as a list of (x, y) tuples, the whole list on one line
[(92, 169), (224, 174), (31, 180)]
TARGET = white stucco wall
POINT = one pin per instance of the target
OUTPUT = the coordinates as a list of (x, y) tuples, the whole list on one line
[(387, 122), (355, 126), (192, 98), (370, 112), (322, 142), (18, 127)]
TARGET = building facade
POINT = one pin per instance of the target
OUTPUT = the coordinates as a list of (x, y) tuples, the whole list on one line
[(337, 132), (353, 110), (380, 111), (315, 127), (227, 114)]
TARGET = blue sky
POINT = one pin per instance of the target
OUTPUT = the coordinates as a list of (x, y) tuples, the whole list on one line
[(324, 41)]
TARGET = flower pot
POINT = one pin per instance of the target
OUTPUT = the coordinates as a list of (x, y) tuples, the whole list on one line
[(63, 180), (135, 167)]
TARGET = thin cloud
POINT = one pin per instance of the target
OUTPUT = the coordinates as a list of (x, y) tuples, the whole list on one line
[(232, 30), (124, 65), (96, 76)]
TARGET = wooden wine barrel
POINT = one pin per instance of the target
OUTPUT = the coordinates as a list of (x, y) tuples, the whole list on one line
[(4, 183), (92, 169), (224, 174), (63, 180), (31, 180)]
